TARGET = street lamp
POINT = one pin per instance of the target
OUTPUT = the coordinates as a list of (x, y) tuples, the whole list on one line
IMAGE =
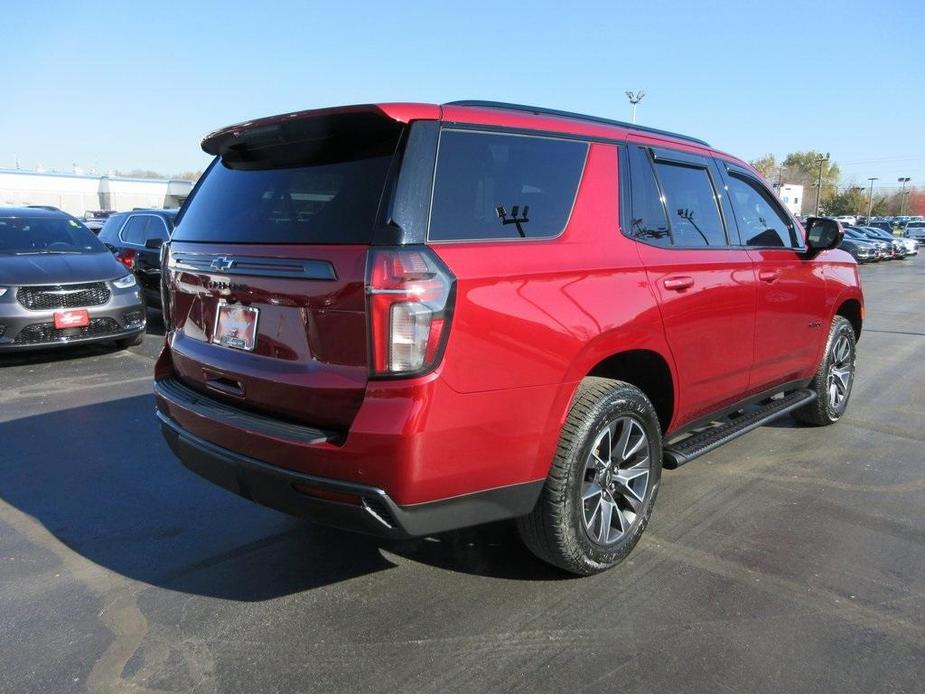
[(870, 197), (821, 161), (902, 195), (635, 98)]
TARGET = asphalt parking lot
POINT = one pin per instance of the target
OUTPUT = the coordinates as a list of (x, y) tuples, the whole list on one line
[(792, 559)]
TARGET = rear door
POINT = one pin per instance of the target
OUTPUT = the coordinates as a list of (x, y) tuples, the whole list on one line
[(148, 260), (705, 285), (267, 267), (790, 326)]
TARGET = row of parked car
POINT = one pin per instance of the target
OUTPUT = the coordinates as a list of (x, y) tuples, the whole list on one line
[(908, 226), (871, 244)]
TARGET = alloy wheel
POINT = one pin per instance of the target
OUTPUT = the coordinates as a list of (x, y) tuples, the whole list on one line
[(841, 371), (616, 479)]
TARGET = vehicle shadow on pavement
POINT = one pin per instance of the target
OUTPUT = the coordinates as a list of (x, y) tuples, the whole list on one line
[(112, 491), (48, 356)]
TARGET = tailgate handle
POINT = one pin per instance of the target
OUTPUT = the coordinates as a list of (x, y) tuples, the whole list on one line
[(226, 386)]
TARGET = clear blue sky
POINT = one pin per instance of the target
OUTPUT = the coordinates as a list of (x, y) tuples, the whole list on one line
[(136, 85)]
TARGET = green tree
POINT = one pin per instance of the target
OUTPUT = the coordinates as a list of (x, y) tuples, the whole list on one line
[(850, 200), (767, 166)]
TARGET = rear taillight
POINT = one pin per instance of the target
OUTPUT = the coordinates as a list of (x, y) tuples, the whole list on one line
[(410, 303), (126, 256)]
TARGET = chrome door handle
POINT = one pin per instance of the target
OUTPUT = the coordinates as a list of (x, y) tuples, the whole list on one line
[(678, 283), (768, 275)]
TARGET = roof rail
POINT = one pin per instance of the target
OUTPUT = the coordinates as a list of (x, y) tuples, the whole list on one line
[(577, 116)]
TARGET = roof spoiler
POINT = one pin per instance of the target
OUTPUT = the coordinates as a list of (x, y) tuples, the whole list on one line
[(313, 124)]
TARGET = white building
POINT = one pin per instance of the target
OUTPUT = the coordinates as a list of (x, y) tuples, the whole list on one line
[(792, 197), (78, 193)]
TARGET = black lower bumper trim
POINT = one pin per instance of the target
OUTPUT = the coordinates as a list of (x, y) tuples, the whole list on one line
[(375, 514)]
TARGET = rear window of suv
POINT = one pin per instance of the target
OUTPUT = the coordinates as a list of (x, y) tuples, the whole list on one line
[(497, 186), (320, 191)]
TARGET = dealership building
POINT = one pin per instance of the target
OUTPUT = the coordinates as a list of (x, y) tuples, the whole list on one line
[(78, 193), (792, 197)]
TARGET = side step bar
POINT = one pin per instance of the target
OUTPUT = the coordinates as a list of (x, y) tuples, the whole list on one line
[(685, 450)]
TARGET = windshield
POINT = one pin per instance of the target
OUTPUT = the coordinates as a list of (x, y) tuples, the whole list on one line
[(915, 224), (45, 235)]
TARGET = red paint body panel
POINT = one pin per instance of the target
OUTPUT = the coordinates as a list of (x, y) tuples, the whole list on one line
[(531, 318)]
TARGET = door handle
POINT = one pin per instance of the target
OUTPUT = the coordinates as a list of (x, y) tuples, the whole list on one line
[(768, 275), (678, 283)]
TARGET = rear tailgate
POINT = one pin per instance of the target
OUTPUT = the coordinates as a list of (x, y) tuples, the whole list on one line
[(309, 361), (278, 231)]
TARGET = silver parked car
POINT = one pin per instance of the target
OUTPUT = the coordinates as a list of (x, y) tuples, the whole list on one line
[(59, 285)]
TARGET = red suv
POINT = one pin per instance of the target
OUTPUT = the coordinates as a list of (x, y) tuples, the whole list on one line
[(407, 318)]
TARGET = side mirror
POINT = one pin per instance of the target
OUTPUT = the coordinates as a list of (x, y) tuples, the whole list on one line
[(154, 243), (823, 234)]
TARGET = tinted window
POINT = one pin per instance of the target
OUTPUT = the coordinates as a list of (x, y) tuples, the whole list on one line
[(322, 191), (491, 186), (760, 222), (691, 203), (134, 230), (649, 220), (155, 229), (46, 235), (110, 230)]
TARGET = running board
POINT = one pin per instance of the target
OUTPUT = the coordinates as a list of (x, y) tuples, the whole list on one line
[(698, 443)]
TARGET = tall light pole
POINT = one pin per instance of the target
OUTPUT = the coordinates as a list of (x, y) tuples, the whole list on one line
[(902, 195), (870, 197), (635, 98), (821, 161)]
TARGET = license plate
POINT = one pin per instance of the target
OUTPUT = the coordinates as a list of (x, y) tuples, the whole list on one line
[(236, 326), (75, 318)]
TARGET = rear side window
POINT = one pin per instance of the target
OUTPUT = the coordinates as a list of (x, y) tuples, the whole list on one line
[(760, 222), (691, 202), (110, 229), (134, 230), (156, 228), (649, 220), (496, 186)]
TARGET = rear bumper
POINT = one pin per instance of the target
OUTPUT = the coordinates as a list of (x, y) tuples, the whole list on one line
[(365, 509)]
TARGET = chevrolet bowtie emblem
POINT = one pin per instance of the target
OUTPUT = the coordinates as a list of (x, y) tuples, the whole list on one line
[(221, 263)]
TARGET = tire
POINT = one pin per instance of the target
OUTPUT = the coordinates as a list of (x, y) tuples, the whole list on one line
[(569, 532), (127, 342), (839, 358)]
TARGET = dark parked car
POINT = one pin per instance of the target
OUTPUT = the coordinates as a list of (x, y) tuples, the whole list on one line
[(884, 248), (135, 238), (59, 285), (407, 318), (861, 251), (882, 224)]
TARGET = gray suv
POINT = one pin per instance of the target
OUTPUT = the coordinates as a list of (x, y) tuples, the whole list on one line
[(59, 285)]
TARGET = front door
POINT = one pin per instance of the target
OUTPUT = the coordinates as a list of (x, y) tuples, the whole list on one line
[(790, 328)]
